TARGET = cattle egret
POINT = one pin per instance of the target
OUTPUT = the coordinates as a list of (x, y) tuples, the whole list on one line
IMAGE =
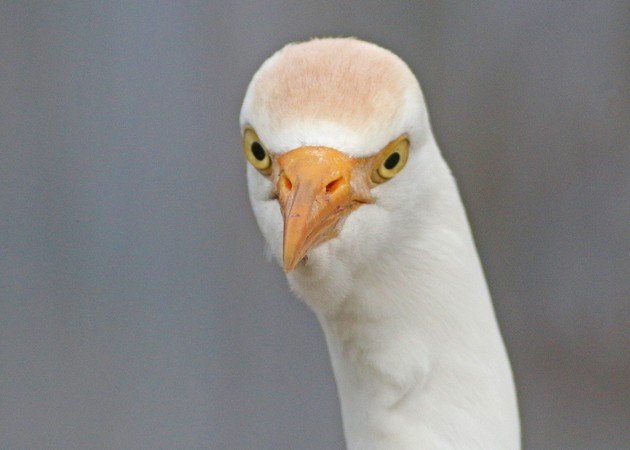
[(359, 208)]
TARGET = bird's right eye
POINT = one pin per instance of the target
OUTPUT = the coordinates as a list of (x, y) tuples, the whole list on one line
[(255, 152)]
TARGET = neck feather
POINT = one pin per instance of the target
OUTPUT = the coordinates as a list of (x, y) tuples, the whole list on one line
[(417, 353)]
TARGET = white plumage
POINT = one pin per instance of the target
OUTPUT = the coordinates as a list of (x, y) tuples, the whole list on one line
[(385, 258)]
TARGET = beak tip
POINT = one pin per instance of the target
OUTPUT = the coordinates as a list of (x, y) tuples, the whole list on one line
[(288, 266), (291, 261)]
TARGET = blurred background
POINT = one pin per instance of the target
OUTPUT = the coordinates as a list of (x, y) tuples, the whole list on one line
[(136, 308)]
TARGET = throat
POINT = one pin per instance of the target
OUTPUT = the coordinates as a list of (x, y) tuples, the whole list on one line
[(422, 368), (378, 373)]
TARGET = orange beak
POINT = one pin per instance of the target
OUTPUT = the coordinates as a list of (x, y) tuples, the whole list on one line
[(315, 195)]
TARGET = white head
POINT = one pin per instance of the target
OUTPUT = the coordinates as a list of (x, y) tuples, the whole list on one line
[(321, 121)]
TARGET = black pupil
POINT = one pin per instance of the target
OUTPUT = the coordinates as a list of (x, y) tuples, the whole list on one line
[(258, 151), (392, 160)]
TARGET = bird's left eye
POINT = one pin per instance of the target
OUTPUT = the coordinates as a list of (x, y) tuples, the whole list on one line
[(391, 160), (255, 152)]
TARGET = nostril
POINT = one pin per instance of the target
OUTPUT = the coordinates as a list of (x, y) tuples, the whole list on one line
[(333, 185), (286, 183)]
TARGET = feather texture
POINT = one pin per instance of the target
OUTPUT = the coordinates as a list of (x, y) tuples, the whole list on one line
[(400, 293)]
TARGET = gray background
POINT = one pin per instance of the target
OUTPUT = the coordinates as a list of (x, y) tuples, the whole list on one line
[(136, 308)]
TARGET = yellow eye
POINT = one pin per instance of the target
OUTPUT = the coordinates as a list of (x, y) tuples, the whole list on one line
[(391, 159), (255, 152)]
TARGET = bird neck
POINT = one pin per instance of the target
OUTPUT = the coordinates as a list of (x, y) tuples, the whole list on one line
[(416, 351)]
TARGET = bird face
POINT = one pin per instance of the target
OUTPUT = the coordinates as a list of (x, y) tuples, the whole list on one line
[(318, 187), (330, 130)]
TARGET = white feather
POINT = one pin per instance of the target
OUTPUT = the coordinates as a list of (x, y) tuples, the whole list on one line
[(400, 293)]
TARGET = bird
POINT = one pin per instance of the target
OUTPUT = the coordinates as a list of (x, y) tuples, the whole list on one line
[(359, 208)]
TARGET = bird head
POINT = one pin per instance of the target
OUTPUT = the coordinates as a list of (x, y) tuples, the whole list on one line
[(338, 142)]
